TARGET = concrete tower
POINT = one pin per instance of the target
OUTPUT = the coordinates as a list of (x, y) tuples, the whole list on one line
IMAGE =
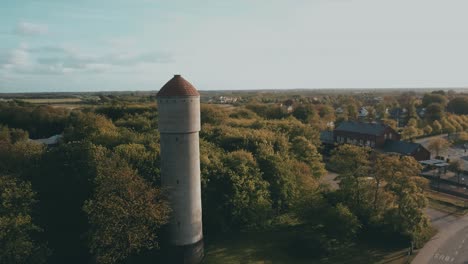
[(179, 124)]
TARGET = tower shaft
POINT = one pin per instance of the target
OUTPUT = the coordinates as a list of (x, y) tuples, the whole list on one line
[(179, 126)]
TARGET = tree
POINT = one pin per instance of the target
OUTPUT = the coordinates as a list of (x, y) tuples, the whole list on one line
[(458, 105), (391, 123), (447, 126), (407, 217), (16, 224), (20, 158), (341, 223), (212, 115), (437, 145), (145, 160), (429, 99), (283, 184), (306, 152), (351, 162), (95, 128), (410, 132), (352, 111), (437, 126), (427, 130), (456, 166), (125, 213), (383, 169), (327, 113), (434, 111), (305, 113), (247, 198)]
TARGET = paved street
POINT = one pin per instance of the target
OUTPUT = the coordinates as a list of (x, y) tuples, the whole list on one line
[(454, 250), (450, 245)]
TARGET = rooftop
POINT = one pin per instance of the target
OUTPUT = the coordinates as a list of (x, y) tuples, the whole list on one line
[(177, 86), (402, 147), (363, 128)]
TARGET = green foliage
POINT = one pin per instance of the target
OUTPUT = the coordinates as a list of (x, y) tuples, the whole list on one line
[(119, 111), (268, 111), (146, 161), (437, 145), (437, 126), (341, 223), (284, 188), (434, 112), (429, 99), (16, 225), (427, 130), (20, 158), (243, 113), (248, 199), (305, 151), (389, 196), (458, 105), (92, 127), (125, 213), (212, 114), (305, 113), (12, 135), (38, 121)]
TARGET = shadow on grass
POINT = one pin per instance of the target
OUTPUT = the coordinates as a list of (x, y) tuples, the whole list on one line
[(296, 245)]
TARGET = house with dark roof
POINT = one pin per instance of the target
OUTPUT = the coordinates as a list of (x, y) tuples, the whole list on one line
[(364, 134), (417, 151), (375, 135)]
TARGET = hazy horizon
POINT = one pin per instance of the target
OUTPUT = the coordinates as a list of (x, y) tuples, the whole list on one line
[(51, 46)]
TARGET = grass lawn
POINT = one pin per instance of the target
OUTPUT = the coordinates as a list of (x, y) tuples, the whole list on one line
[(284, 246), (447, 203)]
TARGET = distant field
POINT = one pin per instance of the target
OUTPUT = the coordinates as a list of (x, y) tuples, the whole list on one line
[(53, 100)]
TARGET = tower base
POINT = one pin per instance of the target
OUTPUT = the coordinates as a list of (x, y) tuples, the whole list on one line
[(187, 254)]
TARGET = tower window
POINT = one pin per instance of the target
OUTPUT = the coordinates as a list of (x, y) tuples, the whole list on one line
[(177, 181), (176, 139)]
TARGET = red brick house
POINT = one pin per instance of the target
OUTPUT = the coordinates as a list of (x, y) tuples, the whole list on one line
[(375, 135), (372, 135)]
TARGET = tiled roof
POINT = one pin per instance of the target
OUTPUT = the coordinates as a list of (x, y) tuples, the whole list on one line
[(363, 128), (402, 147), (177, 86)]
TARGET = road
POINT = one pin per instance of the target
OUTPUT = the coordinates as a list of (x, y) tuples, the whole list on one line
[(450, 245)]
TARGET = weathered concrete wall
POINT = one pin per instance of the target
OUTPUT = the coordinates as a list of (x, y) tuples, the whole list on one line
[(179, 114), (179, 124), (180, 174)]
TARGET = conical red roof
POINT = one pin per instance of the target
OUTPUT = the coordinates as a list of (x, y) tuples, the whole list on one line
[(177, 86)]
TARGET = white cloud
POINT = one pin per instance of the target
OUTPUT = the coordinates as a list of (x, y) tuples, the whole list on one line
[(65, 60), (27, 28)]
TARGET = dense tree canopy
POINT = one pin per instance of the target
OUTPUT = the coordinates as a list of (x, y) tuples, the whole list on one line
[(458, 105), (261, 163), (125, 213)]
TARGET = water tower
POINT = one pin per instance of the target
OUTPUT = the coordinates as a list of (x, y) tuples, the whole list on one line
[(179, 125)]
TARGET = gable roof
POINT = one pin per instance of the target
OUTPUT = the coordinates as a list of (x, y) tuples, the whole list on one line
[(402, 147), (177, 86), (362, 128)]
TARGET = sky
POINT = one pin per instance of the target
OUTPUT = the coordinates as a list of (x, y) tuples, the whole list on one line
[(89, 45)]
